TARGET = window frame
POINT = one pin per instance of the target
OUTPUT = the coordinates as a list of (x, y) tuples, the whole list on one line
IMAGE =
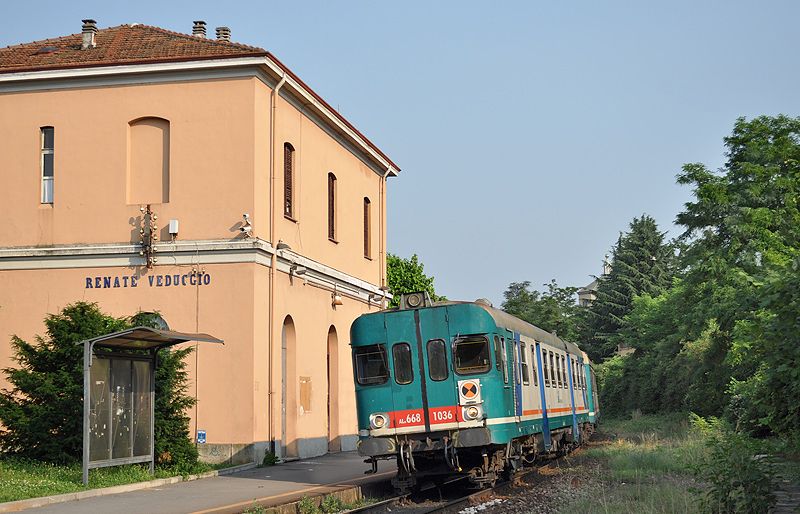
[(381, 347), (367, 228), (466, 338), (47, 181), (533, 365), (289, 181), (444, 354), (332, 187), (553, 373), (565, 385), (523, 364), (545, 368), (395, 347)]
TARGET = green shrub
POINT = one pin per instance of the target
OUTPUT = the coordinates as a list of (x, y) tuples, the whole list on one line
[(740, 480), (307, 505), (331, 504), (270, 459)]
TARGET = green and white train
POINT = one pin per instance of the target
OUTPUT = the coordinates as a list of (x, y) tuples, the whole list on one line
[(463, 388)]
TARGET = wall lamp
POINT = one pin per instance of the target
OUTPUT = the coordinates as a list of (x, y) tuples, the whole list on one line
[(336, 298)]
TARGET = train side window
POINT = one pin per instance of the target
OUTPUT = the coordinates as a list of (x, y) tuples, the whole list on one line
[(526, 379), (504, 358), (533, 365), (401, 355), (437, 360), (371, 364), (552, 371), (574, 376), (498, 354), (558, 370), (471, 355), (545, 369), (564, 371)]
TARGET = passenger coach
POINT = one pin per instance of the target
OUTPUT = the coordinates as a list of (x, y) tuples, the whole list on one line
[(464, 388)]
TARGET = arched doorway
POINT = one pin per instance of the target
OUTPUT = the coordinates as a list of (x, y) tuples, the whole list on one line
[(288, 393), (334, 443)]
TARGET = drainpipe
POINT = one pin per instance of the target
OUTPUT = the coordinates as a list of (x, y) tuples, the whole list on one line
[(274, 258), (382, 251)]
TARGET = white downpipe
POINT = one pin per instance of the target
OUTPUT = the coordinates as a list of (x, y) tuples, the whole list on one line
[(274, 258)]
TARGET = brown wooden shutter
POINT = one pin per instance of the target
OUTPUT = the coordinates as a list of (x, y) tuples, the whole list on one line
[(331, 206), (367, 227), (288, 158)]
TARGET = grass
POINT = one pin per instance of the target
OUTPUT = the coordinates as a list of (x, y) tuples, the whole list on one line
[(22, 479), (328, 504), (643, 464)]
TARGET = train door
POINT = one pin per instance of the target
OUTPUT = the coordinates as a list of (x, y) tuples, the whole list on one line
[(439, 388), (407, 388)]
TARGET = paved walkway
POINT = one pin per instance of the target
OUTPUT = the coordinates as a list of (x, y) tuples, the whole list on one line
[(273, 485)]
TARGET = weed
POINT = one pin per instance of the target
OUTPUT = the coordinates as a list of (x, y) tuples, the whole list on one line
[(307, 505), (270, 459), (331, 504)]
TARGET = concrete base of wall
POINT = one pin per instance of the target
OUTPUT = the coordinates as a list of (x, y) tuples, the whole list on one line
[(235, 454)]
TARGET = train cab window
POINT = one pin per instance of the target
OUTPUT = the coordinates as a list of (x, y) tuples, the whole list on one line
[(552, 371), (401, 355), (437, 360), (523, 362), (371, 364), (471, 355)]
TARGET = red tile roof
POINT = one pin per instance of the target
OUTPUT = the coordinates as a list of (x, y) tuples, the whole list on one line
[(124, 44)]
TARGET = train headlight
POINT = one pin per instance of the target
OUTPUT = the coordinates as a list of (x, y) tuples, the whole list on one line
[(378, 420), (472, 412)]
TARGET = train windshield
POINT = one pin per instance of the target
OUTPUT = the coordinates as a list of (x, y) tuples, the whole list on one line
[(371, 364), (471, 355)]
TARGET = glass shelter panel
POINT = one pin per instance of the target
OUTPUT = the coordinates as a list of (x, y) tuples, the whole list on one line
[(121, 403), (100, 411), (141, 408)]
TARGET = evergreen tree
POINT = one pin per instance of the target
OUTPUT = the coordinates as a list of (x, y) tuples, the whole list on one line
[(642, 263), (42, 414)]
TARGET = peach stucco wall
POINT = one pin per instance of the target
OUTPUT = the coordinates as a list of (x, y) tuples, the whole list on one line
[(219, 168), (212, 155)]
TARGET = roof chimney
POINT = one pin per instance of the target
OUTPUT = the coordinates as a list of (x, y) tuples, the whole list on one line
[(199, 28), (223, 34), (89, 30)]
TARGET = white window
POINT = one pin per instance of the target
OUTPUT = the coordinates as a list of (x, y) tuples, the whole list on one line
[(47, 140)]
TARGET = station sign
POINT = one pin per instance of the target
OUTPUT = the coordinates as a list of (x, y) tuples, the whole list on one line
[(131, 281)]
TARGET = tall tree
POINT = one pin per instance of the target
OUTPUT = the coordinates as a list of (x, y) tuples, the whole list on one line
[(553, 310), (408, 276), (642, 263)]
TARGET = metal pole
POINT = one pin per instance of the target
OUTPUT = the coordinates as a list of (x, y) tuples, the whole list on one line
[(87, 362)]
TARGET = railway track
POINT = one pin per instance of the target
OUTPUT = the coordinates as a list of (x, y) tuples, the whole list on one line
[(425, 502)]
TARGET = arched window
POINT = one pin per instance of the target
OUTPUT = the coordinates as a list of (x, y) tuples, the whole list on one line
[(288, 180), (47, 136), (332, 207), (148, 161), (367, 229)]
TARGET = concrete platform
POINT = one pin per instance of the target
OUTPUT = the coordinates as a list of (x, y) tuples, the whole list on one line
[(274, 485)]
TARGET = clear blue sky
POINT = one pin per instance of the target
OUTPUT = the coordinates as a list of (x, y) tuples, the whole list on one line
[(529, 133)]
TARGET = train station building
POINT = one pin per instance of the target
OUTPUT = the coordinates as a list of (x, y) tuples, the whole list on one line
[(149, 170)]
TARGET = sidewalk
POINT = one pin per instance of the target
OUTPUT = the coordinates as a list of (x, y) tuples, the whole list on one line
[(274, 485)]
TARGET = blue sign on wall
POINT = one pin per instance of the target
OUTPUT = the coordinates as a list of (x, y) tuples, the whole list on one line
[(201, 437)]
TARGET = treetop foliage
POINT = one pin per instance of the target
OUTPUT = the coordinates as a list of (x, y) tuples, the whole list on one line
[(408, 276), (553, 310)]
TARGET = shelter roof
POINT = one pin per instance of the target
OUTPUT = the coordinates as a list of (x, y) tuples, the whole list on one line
[(146, 338)]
